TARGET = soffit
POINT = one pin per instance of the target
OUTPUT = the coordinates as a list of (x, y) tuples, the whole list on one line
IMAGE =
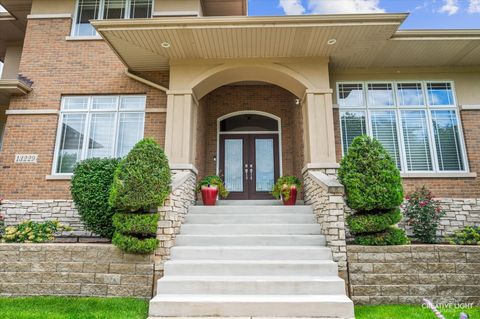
[(13, 23), (362, 41)]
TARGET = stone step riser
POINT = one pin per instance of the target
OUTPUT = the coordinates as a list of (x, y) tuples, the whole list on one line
[(245, 240), (251, 309), (292, 210), (177, 268), (254, 287), (249, 253), (250, 219), (251, 229)]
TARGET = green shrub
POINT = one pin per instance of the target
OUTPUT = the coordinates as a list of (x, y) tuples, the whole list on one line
[(374, 191), (33, 232), (283, 186), (141, 184), (140, 224), (142, 179), (372, 223), (392, 236), (371, 178), (134, 245), (424, 215), (90, 191), (213, 180), (467, 236)]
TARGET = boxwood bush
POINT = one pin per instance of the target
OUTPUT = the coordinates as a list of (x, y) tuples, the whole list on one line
[(372, 223), (90, 191), (374, 191), (141, 183)]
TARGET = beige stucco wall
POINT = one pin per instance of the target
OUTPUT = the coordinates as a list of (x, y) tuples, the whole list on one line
[(466, 80), (53, 6), (12, 62), (170, 6)]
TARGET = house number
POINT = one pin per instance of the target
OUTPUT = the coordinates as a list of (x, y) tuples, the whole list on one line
[(26, 158)]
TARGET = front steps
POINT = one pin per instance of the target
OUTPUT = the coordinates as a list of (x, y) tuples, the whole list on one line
[(251, 261)]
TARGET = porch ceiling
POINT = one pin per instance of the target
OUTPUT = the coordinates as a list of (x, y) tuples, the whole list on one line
[(13, 23), (362, 41)]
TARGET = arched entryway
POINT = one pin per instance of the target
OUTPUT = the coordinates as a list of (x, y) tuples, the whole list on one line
[(249, 153)]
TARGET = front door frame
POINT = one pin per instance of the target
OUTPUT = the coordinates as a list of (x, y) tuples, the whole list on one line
[(279, 134)]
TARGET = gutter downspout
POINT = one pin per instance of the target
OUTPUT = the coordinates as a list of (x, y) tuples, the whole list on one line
[(145, 81)]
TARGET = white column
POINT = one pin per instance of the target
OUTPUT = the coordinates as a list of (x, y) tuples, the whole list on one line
[(180, 135), (319, 133)]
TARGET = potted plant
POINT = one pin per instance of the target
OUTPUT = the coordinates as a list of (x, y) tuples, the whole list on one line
[(210, 187), (287, 188)]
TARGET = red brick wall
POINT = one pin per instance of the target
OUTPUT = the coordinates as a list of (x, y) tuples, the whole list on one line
[(59, 67), (444, 187), (265, 98)]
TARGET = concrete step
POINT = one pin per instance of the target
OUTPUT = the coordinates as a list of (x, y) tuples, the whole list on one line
[(250, 240), (255, 285), (250, 253), (331, 306), (250, 268), (251, 229), (258, 218), (252, 209)]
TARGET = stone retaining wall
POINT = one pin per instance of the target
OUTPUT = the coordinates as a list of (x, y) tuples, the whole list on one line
[(41, 210), (406, 274), (74, 270)]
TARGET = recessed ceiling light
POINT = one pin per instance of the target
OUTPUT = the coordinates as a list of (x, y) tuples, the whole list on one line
[(166, 45), (332, 41)]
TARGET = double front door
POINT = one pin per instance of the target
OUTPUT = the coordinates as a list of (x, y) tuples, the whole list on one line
[(249, 164)]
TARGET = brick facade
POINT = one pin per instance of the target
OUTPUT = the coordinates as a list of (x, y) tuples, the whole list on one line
[(64, 67), (266, 98)]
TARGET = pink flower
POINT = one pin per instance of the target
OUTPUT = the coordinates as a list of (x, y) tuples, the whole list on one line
[(423, 203)]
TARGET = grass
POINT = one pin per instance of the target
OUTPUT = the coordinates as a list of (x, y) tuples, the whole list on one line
[(409, 312), (72, 308), (123, 308)]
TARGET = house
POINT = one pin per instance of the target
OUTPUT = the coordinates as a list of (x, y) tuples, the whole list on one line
[(248, 98)]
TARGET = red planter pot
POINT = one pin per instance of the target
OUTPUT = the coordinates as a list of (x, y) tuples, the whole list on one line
[(209, 195), (293, 197)]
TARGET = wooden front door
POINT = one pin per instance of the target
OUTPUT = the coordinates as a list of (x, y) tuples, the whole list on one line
[(249, 164)]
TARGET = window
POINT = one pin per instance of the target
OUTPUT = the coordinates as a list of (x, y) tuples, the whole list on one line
[(417, 122), (107, 9), (97, 126)]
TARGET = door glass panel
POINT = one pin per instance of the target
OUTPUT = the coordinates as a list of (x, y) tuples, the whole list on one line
[(234, 165), (265, 171)]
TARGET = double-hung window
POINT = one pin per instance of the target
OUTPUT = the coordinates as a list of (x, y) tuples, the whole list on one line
[(107, 9), (416, 121), (97, 126)]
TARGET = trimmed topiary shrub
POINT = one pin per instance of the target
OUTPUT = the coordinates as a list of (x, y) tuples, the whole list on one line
[(135, 245), (372, 223), (374, 190), (90, 189), (140, 224), (141, 184), (392, 236), (142, 180)]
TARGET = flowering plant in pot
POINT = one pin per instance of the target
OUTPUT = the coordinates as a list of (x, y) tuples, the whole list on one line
[(287, 188), (210, 187)]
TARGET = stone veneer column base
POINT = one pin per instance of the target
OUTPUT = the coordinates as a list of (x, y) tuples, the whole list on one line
[(325, 194), (172, 215)]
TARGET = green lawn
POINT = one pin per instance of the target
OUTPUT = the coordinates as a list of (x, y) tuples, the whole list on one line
[(123, 308), (72, 308), (409, 312)]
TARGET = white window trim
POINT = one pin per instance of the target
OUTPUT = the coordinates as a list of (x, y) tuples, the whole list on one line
[(88, 112), (398, 109), (101, 9)]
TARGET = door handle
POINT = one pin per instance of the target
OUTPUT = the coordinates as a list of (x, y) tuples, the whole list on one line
[(246, 171), (251, 172)]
